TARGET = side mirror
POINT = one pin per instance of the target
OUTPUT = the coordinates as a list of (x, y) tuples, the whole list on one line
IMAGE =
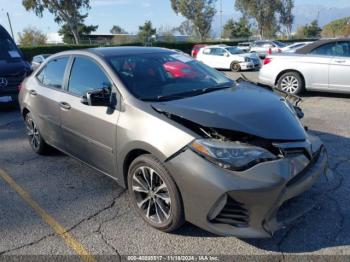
[(98, 97), (227, 54)]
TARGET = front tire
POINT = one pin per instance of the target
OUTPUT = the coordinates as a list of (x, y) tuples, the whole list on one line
[(291, 82), (36, 141), (235, 67), (155, 194)]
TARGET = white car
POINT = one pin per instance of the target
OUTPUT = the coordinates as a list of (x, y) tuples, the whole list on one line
[(293, 47), (322, 66), (228, 57), (265, 47)]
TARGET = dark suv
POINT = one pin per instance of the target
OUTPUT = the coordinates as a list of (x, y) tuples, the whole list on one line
[(13, 69)]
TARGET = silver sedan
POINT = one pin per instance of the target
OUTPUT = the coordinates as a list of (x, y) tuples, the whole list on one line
[(321, 66)]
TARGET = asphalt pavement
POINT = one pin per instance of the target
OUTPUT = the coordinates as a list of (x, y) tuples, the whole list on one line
[(96, 215)]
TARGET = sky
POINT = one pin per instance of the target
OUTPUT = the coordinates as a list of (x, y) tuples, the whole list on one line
[(128, 14)]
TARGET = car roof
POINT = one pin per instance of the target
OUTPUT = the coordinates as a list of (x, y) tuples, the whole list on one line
[(308, 48), (125, 50)]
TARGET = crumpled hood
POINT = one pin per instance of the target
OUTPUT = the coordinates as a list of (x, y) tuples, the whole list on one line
[(244, 108)]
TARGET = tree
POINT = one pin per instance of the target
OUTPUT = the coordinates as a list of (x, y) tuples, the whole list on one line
[(286, 17), (83, 30), (337, 28), (199, 12), (146, 32), (167, 34), (263, 12), (240, 29), (31, 37), (312, 30), (68, 12), (117, 30), (186, 28)]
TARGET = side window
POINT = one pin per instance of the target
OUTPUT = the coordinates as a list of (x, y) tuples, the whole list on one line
[(207, 51), (343, 49), (329, 49), (85, 76), (218, 51), (53, 73)]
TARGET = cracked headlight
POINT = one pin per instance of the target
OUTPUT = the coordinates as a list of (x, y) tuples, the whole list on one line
[(231, 155)]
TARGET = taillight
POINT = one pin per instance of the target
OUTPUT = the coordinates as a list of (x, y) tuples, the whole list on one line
[(267, 60)]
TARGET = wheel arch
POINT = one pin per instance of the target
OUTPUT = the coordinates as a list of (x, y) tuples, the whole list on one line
[(129, 154), (290, 70), (25, 111)]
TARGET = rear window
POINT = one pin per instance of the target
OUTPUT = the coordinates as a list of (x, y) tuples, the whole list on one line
[(53, 73)]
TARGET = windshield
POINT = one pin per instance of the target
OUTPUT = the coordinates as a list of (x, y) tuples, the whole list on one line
[(279, 44), (8, 49), (156, 76), (234, 50)]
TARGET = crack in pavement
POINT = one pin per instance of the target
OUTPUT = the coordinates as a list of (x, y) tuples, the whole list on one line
[(69, 229), (27, 244), (104, 239), (327, 195)]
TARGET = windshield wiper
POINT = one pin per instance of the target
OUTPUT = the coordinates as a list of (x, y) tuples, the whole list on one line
[(193, 92)]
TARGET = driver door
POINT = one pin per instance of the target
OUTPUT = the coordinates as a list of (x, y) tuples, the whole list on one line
[(89, 132)]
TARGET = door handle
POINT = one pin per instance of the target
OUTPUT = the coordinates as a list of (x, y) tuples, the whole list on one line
[(65, 105), (340, 61), (33, 92)]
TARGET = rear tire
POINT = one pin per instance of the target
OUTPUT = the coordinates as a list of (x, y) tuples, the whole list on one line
[(36, 141), (291, 82), (154, 194), (235, 67)]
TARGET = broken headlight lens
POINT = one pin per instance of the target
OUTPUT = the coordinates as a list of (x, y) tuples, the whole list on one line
[(231, 155)]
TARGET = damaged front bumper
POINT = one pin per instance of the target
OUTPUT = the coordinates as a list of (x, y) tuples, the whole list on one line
[(245, 204)]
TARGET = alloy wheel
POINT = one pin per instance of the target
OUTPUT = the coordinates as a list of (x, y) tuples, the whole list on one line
[(33, 133), (290, 84), (151, 194)]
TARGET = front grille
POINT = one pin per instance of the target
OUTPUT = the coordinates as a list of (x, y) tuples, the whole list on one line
[(13, 81), (233, 213), (303, 173)]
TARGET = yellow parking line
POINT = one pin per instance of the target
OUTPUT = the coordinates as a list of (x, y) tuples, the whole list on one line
[(59, 229)]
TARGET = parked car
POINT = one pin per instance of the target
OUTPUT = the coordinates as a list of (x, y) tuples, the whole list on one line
[(38, 60), (205, 148), (323, 66), (264, 47), (196, 49), (293, 47), (228, 57), (245, 46), (13, 68)]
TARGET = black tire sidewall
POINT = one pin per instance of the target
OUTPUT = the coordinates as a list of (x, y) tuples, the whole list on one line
[(297, 76), (176, 217)]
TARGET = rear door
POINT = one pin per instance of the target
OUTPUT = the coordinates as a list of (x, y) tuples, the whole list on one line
[(317, 65), (339, 71), (45, 96), (89, 131), (215, 57), (206, 57)]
